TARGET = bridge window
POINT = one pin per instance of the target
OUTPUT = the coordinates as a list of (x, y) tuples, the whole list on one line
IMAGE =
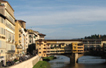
[(48, 51), (44, 48), (80, 47), (74, 47), (53, 51), (44, 51)]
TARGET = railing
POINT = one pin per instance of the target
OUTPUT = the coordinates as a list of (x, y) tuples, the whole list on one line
[(11, 51), (9, 26), (19, 47)]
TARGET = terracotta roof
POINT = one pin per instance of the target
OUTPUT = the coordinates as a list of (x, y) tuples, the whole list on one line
[(7, 2), (41, 34), (21, 21)]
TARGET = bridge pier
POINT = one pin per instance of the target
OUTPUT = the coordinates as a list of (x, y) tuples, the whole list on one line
[(74, 58)]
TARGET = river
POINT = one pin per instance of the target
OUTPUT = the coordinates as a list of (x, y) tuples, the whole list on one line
[(64, 62)]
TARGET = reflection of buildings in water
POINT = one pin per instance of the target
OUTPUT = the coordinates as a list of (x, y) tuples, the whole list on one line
[(79, 65), (59, 63)]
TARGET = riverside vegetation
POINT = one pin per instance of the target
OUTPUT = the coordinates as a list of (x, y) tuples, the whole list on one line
[(44, 63)]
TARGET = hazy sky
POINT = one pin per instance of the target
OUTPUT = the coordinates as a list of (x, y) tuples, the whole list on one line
[(62, 19)]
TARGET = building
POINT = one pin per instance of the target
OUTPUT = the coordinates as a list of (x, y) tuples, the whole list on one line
[(77, 47), (53, 47), (93, 44), (34, 35), (2, 36), (8, 30), (26, 40), (21, 38), (41, 36), (104, 46)]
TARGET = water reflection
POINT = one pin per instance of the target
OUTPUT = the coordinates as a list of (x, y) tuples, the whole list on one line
[(60, 62), (86, 66), (64, 62)]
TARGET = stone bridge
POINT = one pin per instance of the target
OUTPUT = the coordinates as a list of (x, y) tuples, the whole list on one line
[(73, 56)]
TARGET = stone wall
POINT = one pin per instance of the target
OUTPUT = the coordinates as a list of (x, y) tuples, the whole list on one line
[(28, 63)]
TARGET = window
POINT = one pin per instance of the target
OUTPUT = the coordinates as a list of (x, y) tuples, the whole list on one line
[(1, 51), (1, 20), (29, 35), (9, 25), (0, 44), (44, 51), (9, 17), (34, 36), (12, 47), (44, 48), (2, 31), (74, 47), (30, 41)]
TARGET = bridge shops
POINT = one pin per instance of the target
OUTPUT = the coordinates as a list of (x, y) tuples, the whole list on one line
[(69, 47), (52, 47)]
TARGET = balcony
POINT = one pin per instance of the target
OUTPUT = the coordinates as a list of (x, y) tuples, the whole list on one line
[(9, 26), (19, 47), (19, 35), (11, 51), (8, 40), (13, 41), (20, 30), (19, 41)]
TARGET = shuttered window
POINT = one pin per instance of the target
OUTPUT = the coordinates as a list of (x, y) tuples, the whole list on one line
[(0, 44), (2, 31)]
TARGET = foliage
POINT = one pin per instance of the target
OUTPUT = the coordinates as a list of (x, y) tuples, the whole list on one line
[(95, 37), (15, 60), (42, 64), (49, 58)]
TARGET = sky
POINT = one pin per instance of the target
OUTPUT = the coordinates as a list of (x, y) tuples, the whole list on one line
[(62, 19)]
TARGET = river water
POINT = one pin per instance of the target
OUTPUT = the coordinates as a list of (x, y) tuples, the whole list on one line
[(64, 62)]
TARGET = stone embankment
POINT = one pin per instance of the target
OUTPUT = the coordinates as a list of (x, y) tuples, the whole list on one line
[(28, 63)]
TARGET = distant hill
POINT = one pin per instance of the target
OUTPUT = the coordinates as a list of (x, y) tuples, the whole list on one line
[(95, 37)]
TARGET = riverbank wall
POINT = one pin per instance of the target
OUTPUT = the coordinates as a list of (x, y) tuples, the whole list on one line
[(28, 63)]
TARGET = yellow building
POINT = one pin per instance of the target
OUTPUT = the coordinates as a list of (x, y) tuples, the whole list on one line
[(2, 36), (52, 47), (8, 30), (20, 38), (77, 48)]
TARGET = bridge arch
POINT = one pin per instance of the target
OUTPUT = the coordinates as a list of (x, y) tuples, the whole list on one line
[(73, 56)]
